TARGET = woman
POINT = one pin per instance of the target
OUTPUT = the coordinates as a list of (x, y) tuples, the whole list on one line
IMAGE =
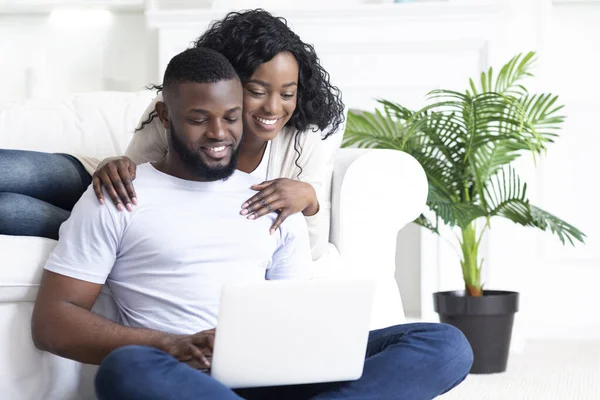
[(287, 97)]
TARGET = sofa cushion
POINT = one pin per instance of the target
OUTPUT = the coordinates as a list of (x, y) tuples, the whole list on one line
[(22, 260), (97, 125)]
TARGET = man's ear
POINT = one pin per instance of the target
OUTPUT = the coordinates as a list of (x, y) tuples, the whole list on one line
[(163, 113)]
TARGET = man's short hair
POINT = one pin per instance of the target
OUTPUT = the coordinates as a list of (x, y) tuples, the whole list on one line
[(199, 65)]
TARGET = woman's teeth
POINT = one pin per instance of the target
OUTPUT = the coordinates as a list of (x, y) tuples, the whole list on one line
[(267, 121)]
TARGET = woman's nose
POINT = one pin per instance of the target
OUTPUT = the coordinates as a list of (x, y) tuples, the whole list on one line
[(273, 105)]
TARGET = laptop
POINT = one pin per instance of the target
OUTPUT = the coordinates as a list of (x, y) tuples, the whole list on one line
[(277, 333)]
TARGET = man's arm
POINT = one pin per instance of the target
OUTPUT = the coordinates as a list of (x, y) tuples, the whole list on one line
[(63, 324)]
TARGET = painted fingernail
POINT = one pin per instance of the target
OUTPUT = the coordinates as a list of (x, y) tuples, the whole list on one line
[(120, 207), (271, 231), (134, 200), (129, 207), (251, 216), (102, 201), (245, 205), (244, 212)]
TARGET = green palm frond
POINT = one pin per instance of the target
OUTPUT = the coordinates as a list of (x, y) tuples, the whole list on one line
[(444, 135), (453, 213), (401, 113), (506, 196), (543, 121), (423, 221), (488, 160), (523, 213), (507, 81), (440, 174), (482, 118), (513, 72), (545, 221), (414, 125), (372, 130)]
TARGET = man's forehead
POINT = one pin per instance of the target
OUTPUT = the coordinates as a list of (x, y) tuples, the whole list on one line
[(231, 85), (192, 95)]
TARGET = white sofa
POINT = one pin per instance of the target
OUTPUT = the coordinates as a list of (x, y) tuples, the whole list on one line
[(374, 194)]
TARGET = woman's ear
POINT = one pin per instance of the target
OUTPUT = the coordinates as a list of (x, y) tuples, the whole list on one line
[(163, 113)]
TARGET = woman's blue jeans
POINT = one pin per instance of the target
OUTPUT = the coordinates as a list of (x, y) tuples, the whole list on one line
[(38, 191)]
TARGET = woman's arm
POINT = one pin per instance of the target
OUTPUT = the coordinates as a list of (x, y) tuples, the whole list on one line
[(303, 187)]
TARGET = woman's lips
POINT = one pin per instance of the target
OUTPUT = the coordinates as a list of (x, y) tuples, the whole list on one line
[(267, 123)]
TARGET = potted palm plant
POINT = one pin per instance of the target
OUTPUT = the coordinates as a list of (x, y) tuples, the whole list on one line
[(467, 143)]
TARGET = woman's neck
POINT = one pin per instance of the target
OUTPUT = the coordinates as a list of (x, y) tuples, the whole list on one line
[(251, 153)]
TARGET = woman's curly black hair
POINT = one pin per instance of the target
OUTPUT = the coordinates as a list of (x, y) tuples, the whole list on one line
[(252, 37)]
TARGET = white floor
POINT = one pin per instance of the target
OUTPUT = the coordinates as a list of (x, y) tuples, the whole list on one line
[(544, 370)]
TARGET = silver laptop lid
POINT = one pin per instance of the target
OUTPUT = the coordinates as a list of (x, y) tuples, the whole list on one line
[(292, 332)]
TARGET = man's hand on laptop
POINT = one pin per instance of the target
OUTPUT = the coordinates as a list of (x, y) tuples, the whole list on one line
[(195, 350)]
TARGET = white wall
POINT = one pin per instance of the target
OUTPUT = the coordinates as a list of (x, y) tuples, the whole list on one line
[(44, 55)]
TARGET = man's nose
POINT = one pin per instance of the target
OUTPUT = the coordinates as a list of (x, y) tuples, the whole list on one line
[(216, 130)]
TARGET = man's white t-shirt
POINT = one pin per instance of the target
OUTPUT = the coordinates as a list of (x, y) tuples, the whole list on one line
[(166, 261)]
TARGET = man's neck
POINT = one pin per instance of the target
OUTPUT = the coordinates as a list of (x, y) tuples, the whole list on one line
[(172, 165)]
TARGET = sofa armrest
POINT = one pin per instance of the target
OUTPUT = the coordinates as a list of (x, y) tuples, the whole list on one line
[(375, 193)]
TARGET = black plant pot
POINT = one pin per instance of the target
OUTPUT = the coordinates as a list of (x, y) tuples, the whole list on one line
[(486, 321)]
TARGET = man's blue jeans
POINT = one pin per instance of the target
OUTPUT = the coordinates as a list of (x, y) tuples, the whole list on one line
[(38, 191), (409, 362)]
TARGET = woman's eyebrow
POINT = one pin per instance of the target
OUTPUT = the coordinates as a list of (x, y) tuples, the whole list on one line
[(267, 84), (259, 82)]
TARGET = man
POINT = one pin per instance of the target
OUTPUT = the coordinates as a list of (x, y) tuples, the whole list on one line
[(166, 262)]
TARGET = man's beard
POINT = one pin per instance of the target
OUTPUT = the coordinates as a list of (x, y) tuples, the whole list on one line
[(194, 163)]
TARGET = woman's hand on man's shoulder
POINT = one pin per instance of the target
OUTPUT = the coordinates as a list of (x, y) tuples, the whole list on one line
[(116, 174)]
